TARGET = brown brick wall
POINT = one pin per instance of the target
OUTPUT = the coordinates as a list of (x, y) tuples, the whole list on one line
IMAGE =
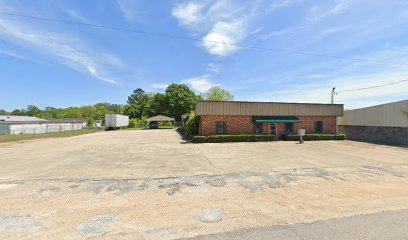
[(244, 125), (308, 123), (235, 124)]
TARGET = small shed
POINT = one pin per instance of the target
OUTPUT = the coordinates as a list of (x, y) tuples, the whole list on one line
[(161, 118)]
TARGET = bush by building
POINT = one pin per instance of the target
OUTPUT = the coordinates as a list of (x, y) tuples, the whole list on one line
[(192, 125), (233, 138), (316, 137)]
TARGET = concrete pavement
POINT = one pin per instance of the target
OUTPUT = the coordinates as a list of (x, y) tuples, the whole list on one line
[(153, 185), (163, 153), (390, 225)]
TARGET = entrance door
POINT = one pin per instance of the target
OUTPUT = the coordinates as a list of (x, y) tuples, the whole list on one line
[(273, 128)]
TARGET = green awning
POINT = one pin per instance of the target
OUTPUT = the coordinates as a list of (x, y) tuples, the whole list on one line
[(276, 119)]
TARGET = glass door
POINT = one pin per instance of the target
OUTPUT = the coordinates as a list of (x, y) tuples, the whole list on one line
[(273, 128)]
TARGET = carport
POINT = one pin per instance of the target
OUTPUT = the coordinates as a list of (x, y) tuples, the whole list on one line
[(160, 118)]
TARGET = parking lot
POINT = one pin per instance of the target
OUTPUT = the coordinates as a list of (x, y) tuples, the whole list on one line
[(151, 184)]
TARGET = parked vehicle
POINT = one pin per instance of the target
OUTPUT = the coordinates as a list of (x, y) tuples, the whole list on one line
[(153, 125), (115, 121)]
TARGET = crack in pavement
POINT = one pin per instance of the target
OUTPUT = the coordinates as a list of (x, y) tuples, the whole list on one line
[(253, 181), (288, 171)]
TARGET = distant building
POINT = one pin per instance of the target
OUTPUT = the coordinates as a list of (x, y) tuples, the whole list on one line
[(385, 123), (34, 125), (82, 121), (233, 117), (7, 118), (98, 123)]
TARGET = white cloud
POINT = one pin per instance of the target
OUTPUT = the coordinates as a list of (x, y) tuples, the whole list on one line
[(200, 83), (341, 6), (280, 4), (321, 92), (315, 76), (188, 14), (129, 8), (15, 55), (211, 67), (75, 15), (349, 76), (321, 12), (62, 49), (160, 85), (224, 37), (224, 24)]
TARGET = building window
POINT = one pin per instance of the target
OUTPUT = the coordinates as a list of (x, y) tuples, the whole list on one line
[(319, 126), (221, 128), (258, 128), (288, 127)]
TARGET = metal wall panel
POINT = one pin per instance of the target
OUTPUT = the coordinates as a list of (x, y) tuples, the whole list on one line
[(4, 128), (267, 109), (386, 115)]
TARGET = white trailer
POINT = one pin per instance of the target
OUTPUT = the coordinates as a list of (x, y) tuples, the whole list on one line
[(115, 121)]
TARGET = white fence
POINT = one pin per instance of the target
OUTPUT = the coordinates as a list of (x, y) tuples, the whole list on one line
[(38, 128)]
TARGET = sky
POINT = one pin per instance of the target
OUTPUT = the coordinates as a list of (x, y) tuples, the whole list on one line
[(281, 50)]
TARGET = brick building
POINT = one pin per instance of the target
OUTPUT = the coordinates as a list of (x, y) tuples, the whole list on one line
[(233, 117)]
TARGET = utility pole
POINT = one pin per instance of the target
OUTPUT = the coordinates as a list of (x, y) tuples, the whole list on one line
[(332, 95)]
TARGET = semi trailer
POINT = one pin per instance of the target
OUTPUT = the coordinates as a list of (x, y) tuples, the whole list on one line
[(115, 121)]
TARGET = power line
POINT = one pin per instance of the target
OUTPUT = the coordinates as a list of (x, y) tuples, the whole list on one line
[(377, 86), (164, 35)]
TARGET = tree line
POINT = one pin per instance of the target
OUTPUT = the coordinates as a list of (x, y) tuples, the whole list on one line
[(178, 99)]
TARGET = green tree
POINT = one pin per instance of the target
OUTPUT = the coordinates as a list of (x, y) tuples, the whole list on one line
[(180, 100), (132, 111), (33, 110), (44, 115), (102, 108), (3, 112), (138, 97), (139, 104), (159, 104), (72, 112), (52, 112), (217, 94), (19, 112)]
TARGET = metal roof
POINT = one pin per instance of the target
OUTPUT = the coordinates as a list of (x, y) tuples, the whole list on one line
[(6, 119), (10, 118), (159, 118), (267, 108)]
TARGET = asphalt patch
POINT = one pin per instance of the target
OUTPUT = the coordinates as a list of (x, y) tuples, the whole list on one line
[(17, 221), (173, 189), (217, 182), (49, 191), (210, 215), (98, 225)]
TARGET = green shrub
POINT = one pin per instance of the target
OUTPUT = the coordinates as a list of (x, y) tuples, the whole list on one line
[(316, 137), (90, 123), (166, 124), (233, 138), (192, 125), (199, 139), (138, 123)]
